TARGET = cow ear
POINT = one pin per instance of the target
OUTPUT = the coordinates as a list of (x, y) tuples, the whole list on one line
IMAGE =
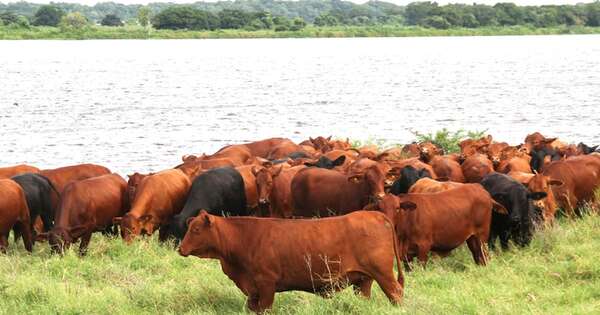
[(339, 161), (555, 182), (77, 231), (277, 171), (355, 178), (117, 220), (537, 195), (408, 205), (329, 138), (145, 218), (255, 170), (549, 140), (207, 221)]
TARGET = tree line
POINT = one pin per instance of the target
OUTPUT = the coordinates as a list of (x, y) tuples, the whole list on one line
[(294, 15)]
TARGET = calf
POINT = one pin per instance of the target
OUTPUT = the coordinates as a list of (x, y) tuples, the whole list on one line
[(218, 191), (274, 190), (158, 199), (318, 256), (518, 223), (321, 192), (14, 214), (87, 206), (441, 221)]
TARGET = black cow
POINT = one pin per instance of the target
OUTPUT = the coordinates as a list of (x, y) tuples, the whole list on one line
[(327, 163), (408, 177), (518, 225), (585, 149), (38, 191), (219, 191), (538, 156)]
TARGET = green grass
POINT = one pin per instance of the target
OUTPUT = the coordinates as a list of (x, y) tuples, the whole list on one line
[(137, 32), (558, 274)]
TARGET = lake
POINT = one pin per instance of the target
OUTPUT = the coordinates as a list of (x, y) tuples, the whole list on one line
[(140, 105)]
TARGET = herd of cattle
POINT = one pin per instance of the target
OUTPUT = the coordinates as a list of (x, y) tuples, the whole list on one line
[(244, 205)]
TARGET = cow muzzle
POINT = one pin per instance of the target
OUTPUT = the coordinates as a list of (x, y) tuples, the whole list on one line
[(264, 201)]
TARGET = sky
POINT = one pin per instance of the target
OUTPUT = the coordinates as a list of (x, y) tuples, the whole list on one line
[(399, 2)]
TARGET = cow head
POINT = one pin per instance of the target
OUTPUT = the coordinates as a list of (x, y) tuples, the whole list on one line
[(340, 144), (540, 183), (374, 178), (264, 183), (133, 182), (495, 152), (132, 226), (542, 157), (582, 148), (201, 239), (536, 141), (325, 162), (428, 151), (60, 239), (408, 177), (395, 207), (471, 147), (321, 143)]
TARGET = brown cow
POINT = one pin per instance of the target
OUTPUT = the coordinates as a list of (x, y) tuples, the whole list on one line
[(318, 256), (274, 190), (393, 154), (263, 147), (247, 172), (471, 147), (284, 149), (428, 185), (14, 214), (322, 192), (194, 167), (494, 152), (580, 176), (428, 151), (88, 206), (476, 167), (8, 172), (446, 167), (397, 166), (369, 151), (238, 154), (441, 221), (158, 198), (537, 141)]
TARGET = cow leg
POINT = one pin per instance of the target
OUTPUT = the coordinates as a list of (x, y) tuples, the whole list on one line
[(504, 237), (3, 243), (27, 236), (85, 241), (163, 234), (17, 232), (477, 250), (266, 295), (390, 286), (252, 302), (423, 254), (363, 287)]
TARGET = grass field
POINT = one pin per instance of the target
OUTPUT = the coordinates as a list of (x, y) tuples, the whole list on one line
[(558, 274), (137, 32)]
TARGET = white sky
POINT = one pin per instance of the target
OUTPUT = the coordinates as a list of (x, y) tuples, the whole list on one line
[(400, 2)]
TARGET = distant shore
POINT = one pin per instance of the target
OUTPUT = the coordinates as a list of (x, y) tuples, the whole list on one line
[(138, 32)]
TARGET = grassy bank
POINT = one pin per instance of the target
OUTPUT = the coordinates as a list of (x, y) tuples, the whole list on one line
[(135, 32), (558, 274)]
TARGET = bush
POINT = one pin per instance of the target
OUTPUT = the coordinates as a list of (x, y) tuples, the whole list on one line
[(73, 21), (111, 20), (143, 16), (447, 139), (435, 21), (48, 15)]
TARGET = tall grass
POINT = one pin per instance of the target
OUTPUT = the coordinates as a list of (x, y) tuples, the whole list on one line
[(558, 274), (138, 32)]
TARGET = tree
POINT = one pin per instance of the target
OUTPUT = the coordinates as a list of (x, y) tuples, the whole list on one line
[(593, 14), (298, 24), (48, 15), (7, 18), (417, 11), (326, 19), (111, 20), (185, 17), (143, 16), (435, 21), (234, 19), (73, 21)]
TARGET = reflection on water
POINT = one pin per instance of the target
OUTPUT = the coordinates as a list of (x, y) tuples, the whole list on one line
[(140, 105)]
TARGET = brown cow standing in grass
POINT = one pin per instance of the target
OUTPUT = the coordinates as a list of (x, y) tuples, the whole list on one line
[(88, 206), (14, 214), (159, 197), (580, 177), (133, 181), (8, 172), (274, 190), (440, 222), (319, 256), (321, 192), (428, 185)]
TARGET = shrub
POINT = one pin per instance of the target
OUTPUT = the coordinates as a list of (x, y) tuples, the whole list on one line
[(48, 15)]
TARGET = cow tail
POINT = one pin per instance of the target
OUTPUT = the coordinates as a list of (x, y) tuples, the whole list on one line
[(398, 255)]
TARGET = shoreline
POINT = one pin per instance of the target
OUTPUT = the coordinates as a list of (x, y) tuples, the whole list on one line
[(137, 32)]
